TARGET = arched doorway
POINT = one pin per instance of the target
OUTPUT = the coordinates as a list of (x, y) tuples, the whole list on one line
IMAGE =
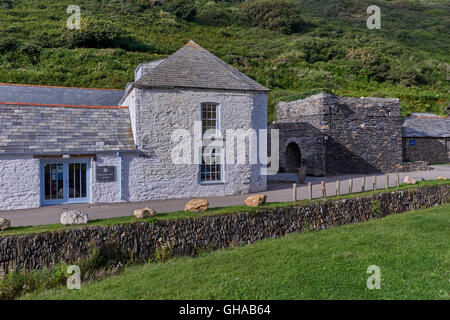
[(293, 157)]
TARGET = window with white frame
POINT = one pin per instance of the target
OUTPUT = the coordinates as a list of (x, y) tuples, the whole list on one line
[(210, 116), (211, 167)]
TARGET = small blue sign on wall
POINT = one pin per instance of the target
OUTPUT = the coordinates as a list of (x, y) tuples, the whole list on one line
[(412, 142)]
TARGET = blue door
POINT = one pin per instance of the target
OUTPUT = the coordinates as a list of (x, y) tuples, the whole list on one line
[(65, 181)]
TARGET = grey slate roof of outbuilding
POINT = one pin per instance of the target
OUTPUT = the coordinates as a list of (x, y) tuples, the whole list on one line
[(56, 130), (195, 67), (59, 95), (426, 126)]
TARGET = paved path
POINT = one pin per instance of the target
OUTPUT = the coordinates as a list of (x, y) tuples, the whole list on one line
[(277, 192)]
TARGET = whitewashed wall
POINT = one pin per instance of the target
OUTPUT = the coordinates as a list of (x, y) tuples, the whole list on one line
[(19, 182), (105, 192), (152, 175)]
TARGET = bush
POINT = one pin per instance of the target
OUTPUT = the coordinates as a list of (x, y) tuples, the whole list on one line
[(376, 208), (99, 264), (148, 4), (6, 4), (408, 4), (405, 76), (275, 15), (215, 14), (370, 62), (182, 9), (16, 283), (163, 254), (317, 49), (8, 44), (166, 25), (32, 51), (92, 34)]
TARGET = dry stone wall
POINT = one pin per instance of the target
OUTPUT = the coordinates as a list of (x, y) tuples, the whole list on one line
[(140, 240)]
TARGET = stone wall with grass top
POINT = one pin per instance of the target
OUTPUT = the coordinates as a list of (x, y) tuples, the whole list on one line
[(142, 241)]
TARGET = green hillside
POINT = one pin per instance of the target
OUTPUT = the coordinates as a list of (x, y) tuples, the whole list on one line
[(328, 49)]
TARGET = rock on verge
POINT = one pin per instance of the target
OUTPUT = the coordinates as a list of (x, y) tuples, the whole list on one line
[(73, 217), (256, 200), (196, 205), (409, 180), (442, 178), (144, 213), (4, 224)]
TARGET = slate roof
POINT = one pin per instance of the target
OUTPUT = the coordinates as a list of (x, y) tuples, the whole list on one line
[(145, 67), (59, 95), (426, 126), (193, 66), (57, 130)]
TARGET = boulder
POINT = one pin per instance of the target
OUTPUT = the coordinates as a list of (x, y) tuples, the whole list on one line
[(196, 205), (442, 178), (4, 224), (409, 180), (73, 217), (256, 200), (144, 213)]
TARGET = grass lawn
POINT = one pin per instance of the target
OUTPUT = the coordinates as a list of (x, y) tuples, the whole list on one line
[(412, 249), (213, 211)]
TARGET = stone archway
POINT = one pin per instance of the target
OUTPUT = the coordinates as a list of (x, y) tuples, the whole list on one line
[(293, 157)]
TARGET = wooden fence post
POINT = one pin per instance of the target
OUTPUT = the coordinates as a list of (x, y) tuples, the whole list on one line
[(294, 192), (387, 181), (350, 186), (310, 190), (363, 187), (324, 190), (338, 187), (374, 183), (397, 180)]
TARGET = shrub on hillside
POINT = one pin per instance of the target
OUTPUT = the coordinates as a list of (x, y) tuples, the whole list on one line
[(8, 44), (229, 1), (408, 4), (317, 49), (6, 4), (370, 62), (182, 9), (33, 52), (275, 15), (214, 14), (92, 34), (405, 76), (19, 53), (148, 4)]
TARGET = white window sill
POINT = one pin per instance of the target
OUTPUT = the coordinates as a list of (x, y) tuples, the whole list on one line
[(206, 183)]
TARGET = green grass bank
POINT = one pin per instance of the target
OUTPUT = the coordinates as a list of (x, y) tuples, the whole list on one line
[(411, 249)]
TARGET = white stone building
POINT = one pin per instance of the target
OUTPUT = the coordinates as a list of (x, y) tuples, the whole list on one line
[(71, 145)]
